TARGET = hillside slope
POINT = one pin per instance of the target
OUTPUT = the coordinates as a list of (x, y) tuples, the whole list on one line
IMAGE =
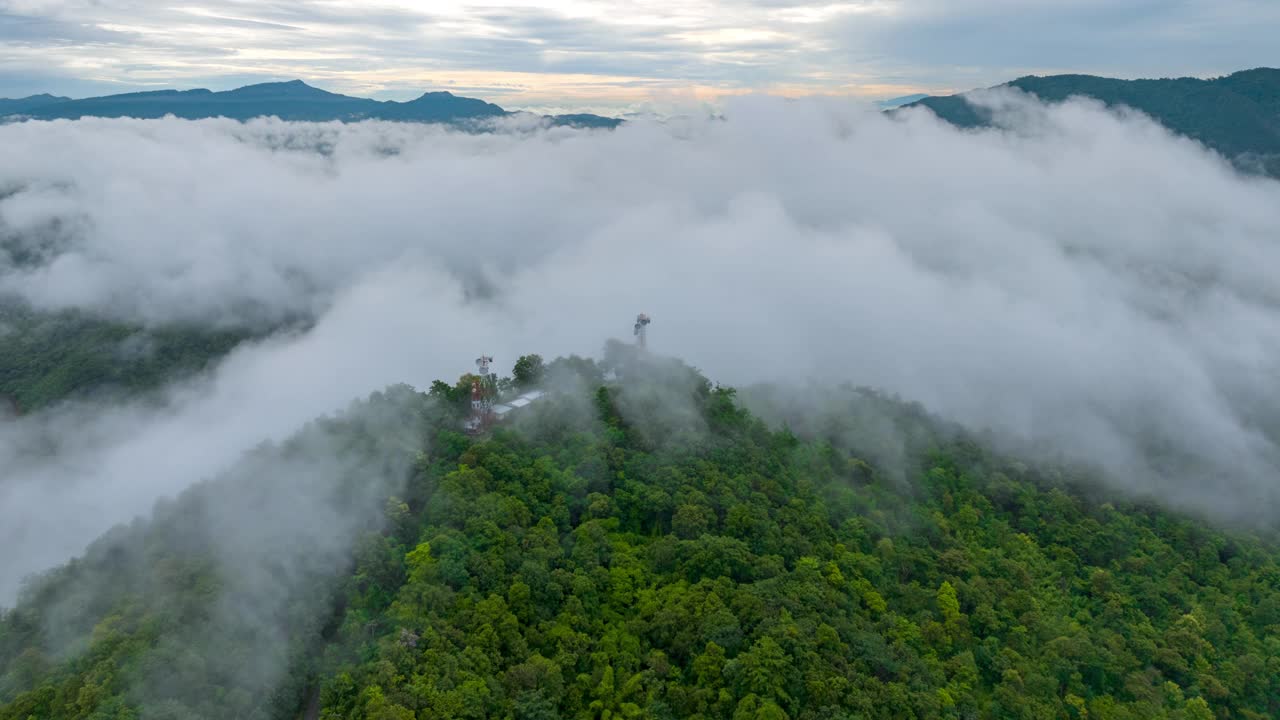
[(645, 547), (46, 357), (1237, 115)]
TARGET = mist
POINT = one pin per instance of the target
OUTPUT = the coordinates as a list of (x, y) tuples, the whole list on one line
[(1081, 279), (240, 573)]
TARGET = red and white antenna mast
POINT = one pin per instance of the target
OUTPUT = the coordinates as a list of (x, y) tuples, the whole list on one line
[(481, 398), (642, 324)]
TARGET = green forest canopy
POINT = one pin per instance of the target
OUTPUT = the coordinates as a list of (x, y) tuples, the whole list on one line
[(46, 357), (644, 547)]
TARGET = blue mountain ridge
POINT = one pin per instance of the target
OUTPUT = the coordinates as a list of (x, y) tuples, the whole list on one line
[(10, 106), (292, 100), (1237, 115)]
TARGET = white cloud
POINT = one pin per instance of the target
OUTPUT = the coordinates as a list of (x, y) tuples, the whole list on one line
[(1089, 279), (619, 53)]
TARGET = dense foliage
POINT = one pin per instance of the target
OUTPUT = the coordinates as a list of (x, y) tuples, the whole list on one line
[(215, 607), (46, 357), (642, 546), (1237, 115)]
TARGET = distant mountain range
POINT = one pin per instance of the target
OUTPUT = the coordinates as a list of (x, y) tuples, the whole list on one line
[(21, 105), (1237, 115), (293, 100)]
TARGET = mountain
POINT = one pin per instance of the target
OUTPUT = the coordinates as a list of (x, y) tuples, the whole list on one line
[(900, 101), (641, 545), (26, 104), (293, 100), (1237, 115)]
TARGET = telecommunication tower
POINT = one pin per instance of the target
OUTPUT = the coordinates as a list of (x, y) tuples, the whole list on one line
[(481, 396), (642, 324)]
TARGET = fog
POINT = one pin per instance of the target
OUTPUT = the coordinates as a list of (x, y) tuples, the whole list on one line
[(251, 562), (73, 471), (1083, 279)]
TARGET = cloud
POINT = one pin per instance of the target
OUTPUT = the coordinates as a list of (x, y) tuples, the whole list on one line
[(975, 43), (74, 471), (394, 49), (1085, 280), (20, 28), (259, 556), (380, 47)]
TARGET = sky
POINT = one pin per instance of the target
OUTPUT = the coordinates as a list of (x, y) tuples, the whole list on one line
[(1084, 279), (619, 55)]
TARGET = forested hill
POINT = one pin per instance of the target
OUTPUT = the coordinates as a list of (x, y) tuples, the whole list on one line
[(293, 100), (1237, 115), (47, 357), (639, 545)]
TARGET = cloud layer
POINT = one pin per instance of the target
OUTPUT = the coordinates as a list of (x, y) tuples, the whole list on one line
[(1086, 279)]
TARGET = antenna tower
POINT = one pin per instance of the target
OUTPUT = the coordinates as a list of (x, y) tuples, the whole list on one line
[(481, 396), (642, 324)]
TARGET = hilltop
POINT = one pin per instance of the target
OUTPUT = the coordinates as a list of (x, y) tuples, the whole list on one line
[(642, 545), (293, 100), (1237, 115)]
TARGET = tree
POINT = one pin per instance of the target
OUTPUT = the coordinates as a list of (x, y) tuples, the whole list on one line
[(763, 670), (528, 371), (742, 573), (948, 602)]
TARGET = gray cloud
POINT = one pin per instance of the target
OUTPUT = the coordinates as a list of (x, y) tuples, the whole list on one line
[(1085, 280), (272, 538), (985, 42), (885, 47), (39, 30), (73, 472)]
